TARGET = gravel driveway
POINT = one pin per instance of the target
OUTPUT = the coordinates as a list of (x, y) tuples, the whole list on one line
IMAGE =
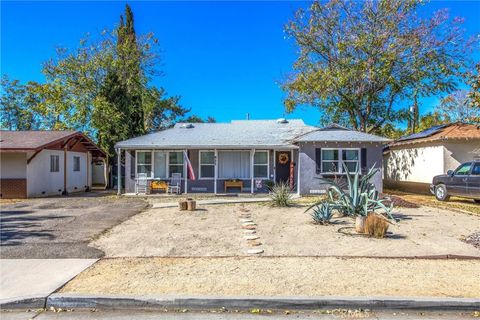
[(61, 227)]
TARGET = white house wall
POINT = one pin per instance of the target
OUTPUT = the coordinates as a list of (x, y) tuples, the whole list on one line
[(13, 165), (418, 163), (76, 180), (455, 153), (42, 182)]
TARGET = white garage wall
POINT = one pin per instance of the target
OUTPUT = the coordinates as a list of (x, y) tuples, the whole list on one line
[(415, 164), (40, 181), (461, 151), (76, 180), (13, 165)]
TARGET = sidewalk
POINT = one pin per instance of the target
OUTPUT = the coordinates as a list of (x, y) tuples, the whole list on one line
[(28, 282)]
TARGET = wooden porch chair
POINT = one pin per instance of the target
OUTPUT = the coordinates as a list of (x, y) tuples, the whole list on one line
[(141, 184), (175, 183)]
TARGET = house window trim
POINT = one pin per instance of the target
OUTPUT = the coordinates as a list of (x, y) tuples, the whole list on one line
[(56, 163), (262, 164), (200, 164), (249, 165), (183, 163), (167, 163), (340, 160), (79, 163)]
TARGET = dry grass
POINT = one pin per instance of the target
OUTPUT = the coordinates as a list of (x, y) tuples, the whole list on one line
[(455, 203), (269, 276)]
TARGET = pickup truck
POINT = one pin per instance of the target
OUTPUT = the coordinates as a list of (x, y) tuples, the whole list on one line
[(462, 182)]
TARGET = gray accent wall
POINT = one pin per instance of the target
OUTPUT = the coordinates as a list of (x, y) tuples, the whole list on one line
[(309, 184)]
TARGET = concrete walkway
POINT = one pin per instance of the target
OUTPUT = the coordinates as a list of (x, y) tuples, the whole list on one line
[(30, 281), (212, 201)]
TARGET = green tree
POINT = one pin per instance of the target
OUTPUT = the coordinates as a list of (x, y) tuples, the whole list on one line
[(358, 60), (102, 87), (18, 106), (458, 106)]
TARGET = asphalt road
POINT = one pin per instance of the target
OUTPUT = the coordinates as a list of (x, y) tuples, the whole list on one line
[(144, 315), (61, 227)]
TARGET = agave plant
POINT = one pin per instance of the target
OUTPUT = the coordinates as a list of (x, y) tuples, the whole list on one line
[(361, 197), (322, 214)]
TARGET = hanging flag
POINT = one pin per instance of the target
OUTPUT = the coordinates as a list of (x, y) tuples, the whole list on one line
[(191, 173)]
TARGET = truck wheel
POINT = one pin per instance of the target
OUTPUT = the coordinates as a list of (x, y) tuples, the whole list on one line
[(441, 192)]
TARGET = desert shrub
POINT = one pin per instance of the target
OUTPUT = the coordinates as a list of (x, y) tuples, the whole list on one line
[(360, 199), (281, 195), (376, 225), (322, 214)]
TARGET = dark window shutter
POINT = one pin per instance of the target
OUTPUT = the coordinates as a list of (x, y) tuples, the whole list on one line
[(318, 160), (363, 160)]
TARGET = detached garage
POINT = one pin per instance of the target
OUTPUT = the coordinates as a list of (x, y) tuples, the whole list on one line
[(45, 163)]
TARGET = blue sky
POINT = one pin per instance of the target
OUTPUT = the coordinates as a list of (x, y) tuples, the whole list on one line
[(224, 58)]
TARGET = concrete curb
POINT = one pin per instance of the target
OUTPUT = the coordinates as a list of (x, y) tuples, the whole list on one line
[(23, 303), (212, 202), (72, 301)]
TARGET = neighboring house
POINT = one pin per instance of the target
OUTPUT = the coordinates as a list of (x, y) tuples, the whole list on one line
[(249, 152), (43, 163), (412, 161)]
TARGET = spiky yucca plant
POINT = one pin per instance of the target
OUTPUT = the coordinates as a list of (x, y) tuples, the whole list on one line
[(361, 197), (281, 195)]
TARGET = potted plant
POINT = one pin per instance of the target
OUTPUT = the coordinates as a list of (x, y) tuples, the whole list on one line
[(356, 201)]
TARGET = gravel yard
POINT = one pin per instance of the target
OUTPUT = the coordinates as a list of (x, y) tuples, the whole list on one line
[(216, 230), (280, 276), (61, 227)]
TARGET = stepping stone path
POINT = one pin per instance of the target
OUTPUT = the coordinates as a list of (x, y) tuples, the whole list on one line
[(254, 243), (250, 232)]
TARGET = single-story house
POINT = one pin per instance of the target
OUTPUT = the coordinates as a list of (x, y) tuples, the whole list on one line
[(211, 157), (412, 161), (44, 163)]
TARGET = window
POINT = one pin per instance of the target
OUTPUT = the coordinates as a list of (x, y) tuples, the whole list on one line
[(144, 162), (76, 163), (464, 169), (476, 169), (54, 163), (351, 158), (175, 163), (160, 164), (332, 162), (234, 164), (260, 164), (207, 164)]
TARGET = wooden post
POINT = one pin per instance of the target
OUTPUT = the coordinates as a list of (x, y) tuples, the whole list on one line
[(119, 171), (65, 169), (252, 157), (298, 171), (185, 169), (215, 172)]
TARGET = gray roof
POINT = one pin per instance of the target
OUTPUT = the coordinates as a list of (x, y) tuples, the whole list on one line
[(234, 135), (338, 133)]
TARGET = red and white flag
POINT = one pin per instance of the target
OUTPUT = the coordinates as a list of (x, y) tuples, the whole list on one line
[(191, 173)]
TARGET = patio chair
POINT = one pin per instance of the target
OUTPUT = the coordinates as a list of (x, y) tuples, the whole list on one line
[(141, 184), (175, 183)]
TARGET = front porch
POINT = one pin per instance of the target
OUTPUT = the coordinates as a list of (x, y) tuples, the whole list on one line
[(209, 171)]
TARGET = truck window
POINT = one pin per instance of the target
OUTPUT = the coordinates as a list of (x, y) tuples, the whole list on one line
[(464, 169)]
